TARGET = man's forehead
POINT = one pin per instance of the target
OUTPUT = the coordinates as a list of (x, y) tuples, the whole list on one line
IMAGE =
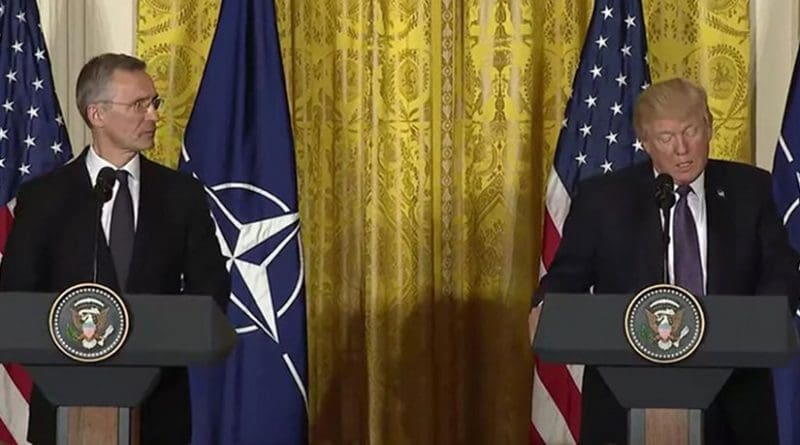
[(136, 84), (677, 122)]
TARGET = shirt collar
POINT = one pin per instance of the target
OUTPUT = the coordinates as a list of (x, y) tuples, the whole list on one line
[(698, 185), (94, 163)]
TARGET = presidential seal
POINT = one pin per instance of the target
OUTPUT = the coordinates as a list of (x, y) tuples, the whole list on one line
[(89, 322), (664, 323)]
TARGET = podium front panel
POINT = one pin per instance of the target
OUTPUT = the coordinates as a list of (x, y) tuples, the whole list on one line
[(741, 332)]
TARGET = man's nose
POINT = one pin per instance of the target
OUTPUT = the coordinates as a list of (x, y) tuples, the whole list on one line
[(152, 113), (681, 147)]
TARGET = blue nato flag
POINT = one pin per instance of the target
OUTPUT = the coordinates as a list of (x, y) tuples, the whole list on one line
[(239, 144), (786, 191)]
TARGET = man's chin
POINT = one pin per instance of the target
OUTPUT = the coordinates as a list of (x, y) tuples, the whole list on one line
[(145, 146), (685, 178)]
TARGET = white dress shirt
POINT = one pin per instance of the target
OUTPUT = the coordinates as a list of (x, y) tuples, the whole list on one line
[(697, 205), (94, 163)]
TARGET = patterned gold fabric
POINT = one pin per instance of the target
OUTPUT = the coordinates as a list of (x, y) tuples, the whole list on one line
[(709, 42), (173, 37), (424, 131), (419, 205)]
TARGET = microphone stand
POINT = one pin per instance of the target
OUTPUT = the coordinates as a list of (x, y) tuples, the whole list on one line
[(665, 199), (665, 241), (99, 203), (103, 191)]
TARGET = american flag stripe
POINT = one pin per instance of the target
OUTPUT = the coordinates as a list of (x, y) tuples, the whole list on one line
[(596, 138), (14, 398), (564, 391), (4, 434), (20, 378), (557, 201), (551, 240), (552, 427), (556, 209), (6, 219)]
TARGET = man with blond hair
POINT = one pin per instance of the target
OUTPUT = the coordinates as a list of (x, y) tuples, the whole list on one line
[(612, 243)]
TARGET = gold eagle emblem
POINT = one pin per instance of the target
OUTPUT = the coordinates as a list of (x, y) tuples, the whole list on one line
[(92, 325), (668, 327)]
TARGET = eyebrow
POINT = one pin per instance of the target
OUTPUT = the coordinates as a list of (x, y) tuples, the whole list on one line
[(681, 130), (141, 98)]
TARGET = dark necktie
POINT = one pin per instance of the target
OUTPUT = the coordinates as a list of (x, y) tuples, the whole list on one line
[(687, 266), (122, 231)]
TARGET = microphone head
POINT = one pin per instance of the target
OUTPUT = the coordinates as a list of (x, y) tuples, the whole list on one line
[(104, 186), (665, 195)]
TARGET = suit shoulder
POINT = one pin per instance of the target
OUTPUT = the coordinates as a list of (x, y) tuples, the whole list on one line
[(51, 182), (617, 181), (737, 168), (737, 174), (172, 179)]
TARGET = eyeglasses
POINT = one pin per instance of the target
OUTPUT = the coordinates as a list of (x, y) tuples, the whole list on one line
[(139, 106)]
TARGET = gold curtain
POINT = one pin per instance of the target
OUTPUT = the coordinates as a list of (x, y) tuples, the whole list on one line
[(424, 131), (173, 37), (708, 41), (420, 206)]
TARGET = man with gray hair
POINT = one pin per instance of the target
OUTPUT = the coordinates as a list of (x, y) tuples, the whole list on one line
[(155, 234), (737, 246)]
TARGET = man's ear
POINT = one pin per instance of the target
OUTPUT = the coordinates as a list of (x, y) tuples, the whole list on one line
[(95, 114)]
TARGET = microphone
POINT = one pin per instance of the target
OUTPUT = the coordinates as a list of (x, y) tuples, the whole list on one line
[(104, 185), (103, 189), (665, 191), (665, 199)]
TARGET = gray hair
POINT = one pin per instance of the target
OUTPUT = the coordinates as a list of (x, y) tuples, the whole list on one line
[(95, 77)]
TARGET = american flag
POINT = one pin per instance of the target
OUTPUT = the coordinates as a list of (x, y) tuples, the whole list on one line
[(786, 192), (596, 137), (33, 140)]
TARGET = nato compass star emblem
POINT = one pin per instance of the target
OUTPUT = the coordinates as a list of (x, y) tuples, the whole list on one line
[(259, 235)]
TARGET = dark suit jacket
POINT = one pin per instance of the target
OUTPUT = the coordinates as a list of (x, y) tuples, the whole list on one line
[(51, 246), (611, 240)]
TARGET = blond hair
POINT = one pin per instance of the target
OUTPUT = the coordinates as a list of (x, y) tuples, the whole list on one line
[(675, 98)]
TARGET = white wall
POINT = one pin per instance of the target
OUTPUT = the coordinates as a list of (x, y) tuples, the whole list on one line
[(775, 24), (77, 30)]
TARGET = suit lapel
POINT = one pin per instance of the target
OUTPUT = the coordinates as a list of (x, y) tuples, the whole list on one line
[(83, 223), (719, 230), (648, 239), (85, 205)]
